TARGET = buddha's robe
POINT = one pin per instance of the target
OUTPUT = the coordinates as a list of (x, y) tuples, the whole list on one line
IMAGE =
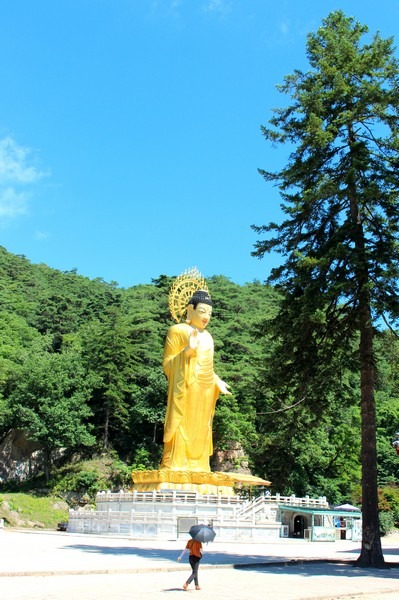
[(192, 395)]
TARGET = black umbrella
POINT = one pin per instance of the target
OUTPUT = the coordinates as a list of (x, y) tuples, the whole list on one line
[(202, 533)]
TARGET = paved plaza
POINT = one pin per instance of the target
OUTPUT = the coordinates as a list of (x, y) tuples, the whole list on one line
[(38, 565)]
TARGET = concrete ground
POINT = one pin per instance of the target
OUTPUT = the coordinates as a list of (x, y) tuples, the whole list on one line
[(38, 565)]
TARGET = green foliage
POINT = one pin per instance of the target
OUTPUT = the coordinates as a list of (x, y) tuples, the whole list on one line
[(239, 316), (48, 397), (108, 358), (143, 459), (121, 474), (29, 510), (82, 482), (388, 497), (87, 477), (96, 379), (388, 505), (387, 522), (339, 240)]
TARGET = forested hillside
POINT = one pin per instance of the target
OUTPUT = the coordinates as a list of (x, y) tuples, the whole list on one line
[(80, 369)]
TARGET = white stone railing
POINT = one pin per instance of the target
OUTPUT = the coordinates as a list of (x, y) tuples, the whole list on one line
[(210, 499), (158, 514), (173, 496), (177, 500), (194, 498), (261, 502), (305, 502)]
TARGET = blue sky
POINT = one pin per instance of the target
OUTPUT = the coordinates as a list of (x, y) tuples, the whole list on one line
[(130, 129)]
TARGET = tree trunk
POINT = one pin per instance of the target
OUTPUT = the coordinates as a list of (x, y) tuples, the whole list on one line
[(47, 463), (371, 553), (106, 426)]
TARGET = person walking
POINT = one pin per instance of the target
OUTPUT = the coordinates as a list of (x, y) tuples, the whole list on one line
[(195, 549)]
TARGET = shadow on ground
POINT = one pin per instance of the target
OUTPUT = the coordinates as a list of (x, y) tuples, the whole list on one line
[(248, 562), (324, 568), (225, 558)]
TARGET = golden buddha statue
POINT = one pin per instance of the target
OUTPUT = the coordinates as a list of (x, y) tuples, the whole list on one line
[(193, 389)]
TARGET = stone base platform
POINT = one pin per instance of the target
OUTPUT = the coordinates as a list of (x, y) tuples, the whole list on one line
[(202, 482), (169, 515)]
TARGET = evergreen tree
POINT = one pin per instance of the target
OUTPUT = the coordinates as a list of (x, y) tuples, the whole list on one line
[(238, 312), (387, 401), (340, 191), (48, 398), (109, 359), (147, 313)]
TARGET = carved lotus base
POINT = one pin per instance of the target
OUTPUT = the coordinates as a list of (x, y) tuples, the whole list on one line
[(219, 483)]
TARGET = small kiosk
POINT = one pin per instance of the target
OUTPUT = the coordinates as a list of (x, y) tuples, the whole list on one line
[(316, 524)]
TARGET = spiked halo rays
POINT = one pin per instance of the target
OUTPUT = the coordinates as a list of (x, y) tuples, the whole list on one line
[(182, 290)]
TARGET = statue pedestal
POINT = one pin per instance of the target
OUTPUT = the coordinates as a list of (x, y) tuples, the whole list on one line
[(224, 484)]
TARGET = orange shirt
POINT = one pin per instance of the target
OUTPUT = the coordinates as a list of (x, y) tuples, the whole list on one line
[(195, 547)]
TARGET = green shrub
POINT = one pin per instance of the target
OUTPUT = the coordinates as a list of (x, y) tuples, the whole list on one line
[(387, 522), (121, 475), (142, 460), (388, 501), (82, 482)]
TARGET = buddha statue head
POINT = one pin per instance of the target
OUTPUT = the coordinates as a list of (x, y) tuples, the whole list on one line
[(199, 309)]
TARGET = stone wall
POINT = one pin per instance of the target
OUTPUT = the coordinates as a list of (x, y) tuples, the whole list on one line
[(230, 460), (20, 458)]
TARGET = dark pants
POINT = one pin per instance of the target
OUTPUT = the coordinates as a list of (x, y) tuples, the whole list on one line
[(194, 562)]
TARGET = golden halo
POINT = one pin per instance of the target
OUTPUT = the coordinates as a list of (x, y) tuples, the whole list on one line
[(182, 289)]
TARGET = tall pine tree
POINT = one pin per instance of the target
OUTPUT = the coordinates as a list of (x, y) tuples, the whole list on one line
[(339, 239)]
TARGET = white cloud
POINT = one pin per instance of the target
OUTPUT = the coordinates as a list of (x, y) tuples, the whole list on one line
[(18, 173), (41, 235), (218, 6), (12, 203), (175, 5), (284, 27), (14, 165)]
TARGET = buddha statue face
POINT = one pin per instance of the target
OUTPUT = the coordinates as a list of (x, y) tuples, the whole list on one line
[(199, 316)]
